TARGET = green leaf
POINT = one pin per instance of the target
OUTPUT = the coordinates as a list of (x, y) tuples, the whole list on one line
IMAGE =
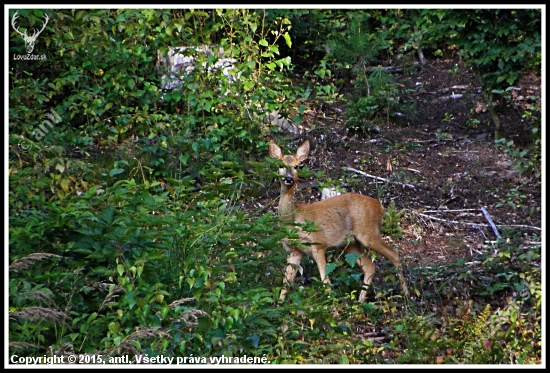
[(164, 311), (65, 185), (287, 39), (330, 268), (115, 171), (131, 83), (255, 339), (107, 214), (184, 158), (263, 43), (351, 258), (60, 167), (248, 85), (287, 61), (92, 317), (131, 299)]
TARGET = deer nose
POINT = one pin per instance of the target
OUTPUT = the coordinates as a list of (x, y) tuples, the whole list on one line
[(288, 180)]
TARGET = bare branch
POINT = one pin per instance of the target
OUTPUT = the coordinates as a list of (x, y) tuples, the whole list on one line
[(377, 178), (478, 224), (486, 214)]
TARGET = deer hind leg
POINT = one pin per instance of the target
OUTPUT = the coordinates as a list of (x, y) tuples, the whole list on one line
[(366, 265), (375, 242), (293, 261)]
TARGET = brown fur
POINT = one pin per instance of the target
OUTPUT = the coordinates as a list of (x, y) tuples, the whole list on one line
[(335, 219)]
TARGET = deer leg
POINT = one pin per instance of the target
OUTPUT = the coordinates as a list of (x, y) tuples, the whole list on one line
[(319, 257), (366, 265), (376, 243), (293, 261)]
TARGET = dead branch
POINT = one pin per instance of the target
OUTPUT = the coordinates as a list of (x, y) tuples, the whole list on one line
[(377, 178), (376, 338), (453, 96), (446, 90), (486, 214), (453, 88), (460, 210), (390, 69), (372, 336), (436, 140), (478, 224)]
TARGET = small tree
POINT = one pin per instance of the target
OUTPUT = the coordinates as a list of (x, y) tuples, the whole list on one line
[(374, 91), (499, 44)]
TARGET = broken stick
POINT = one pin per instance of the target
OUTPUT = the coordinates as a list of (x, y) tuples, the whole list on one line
[(377, 178), (486, 214)]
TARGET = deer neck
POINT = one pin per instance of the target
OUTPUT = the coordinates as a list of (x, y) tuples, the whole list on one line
[(287, 208)]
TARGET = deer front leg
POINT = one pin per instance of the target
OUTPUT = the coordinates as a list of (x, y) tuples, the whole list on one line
[(319, 257), (293, 261)]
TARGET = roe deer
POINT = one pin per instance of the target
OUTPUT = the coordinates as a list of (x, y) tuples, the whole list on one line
[(335, 218)]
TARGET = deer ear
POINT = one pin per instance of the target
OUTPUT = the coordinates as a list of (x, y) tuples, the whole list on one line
[(303, 151), (274, 150)]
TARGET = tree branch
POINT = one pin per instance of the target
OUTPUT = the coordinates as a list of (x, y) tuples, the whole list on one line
[(376, 177)]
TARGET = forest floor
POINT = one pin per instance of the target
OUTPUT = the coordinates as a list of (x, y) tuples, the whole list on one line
[(445, 152)]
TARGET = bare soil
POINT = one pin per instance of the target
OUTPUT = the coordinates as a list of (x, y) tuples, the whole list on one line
[(445, 151)]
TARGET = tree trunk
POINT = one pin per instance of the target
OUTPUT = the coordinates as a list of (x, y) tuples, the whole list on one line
[(494, 116)]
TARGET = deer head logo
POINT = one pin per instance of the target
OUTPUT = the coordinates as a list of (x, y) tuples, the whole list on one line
[(29, 40)]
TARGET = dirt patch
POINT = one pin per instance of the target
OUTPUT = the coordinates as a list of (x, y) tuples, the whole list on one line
[(441, 161)]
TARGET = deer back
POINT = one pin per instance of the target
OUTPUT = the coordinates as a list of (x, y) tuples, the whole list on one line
[(337, 217)]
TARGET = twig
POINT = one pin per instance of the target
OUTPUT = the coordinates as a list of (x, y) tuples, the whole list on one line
[(478, 224), (460, 210), (519, 226), (390, 69), (376, 177), (189, 205), (444, 220), (486, 214), (371, 337), (433, 140), (453, 96), (376, 338), (472, 250)]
